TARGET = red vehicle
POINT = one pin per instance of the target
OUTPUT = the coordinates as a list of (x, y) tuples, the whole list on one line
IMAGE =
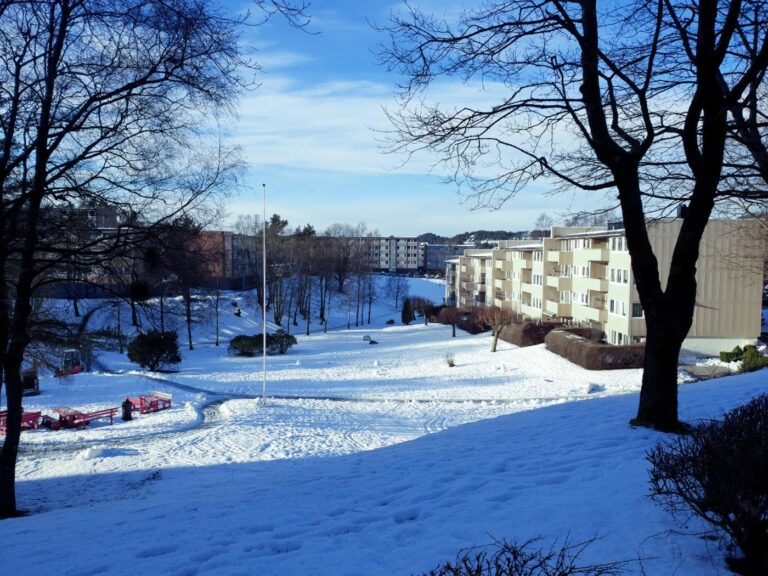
[(71, 363)]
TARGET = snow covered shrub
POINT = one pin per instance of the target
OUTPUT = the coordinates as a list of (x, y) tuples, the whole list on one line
[(155, 350), (449, 359), (523, 560), (278, 343), (719, 472), (752, 360), (734, 355), (243, 345)]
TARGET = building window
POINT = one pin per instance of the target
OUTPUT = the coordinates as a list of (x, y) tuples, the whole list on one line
[(619, 275), (637, 310), (537, 257), (580, 298), (619, 244), (618, 307)]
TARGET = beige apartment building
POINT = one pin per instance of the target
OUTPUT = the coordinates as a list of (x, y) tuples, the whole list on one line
[(584, 275)]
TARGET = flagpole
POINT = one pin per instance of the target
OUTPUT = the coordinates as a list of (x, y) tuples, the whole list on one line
[(264, 295)]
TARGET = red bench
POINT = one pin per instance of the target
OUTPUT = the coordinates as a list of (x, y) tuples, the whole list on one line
[(69, 418), (154, 402), (29, 421)]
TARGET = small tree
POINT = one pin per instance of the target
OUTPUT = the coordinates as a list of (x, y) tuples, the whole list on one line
[(450, 315), (496, 318), (423, 307), (407, 314), (396, 287), (155, 350), (719, 472)]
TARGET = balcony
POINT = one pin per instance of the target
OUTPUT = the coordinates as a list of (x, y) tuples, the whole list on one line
[(585, 256), (529, 310), (588, 313), (553, 256), (535, 289), (585, 284), (557, 308)]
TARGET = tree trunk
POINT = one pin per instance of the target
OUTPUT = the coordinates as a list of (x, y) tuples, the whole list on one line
[(309, 304), (658, 395), (10, 450), (188, 314), (495, 340), (370, 296), (453, 325), (162, 310), (134, 315), (218, 301)]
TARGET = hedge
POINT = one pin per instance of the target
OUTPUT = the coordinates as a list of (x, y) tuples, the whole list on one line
[(581, 346), (527, 333)]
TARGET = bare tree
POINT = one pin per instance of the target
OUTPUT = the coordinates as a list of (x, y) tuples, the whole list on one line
[(541, 227), (494, 318), (635, 99), (99, 100), (451, 315), (396, 287)]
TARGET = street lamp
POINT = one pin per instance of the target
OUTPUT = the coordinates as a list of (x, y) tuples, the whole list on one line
[(264, 295)]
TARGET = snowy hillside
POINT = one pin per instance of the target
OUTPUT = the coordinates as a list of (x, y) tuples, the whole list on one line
[(367, 459)]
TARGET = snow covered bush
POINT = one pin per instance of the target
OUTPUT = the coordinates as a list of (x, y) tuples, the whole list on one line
[(523, 560), (719, 472), (243, 345), (752, 360), (449, 359), (278, 343), (155, 350)]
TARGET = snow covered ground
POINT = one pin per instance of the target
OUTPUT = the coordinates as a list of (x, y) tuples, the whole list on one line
[(367, 459)]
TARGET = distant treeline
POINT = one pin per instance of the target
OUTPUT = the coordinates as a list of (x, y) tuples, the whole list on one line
[(473, 236)]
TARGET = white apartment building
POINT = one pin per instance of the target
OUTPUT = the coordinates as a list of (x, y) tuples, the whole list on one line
[(395, 253), (584, 275)]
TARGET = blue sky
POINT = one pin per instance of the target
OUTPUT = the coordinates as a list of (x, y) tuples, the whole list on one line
[(308, 133)]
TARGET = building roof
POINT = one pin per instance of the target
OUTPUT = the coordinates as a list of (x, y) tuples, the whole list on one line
[(525, 247), (481, 255)]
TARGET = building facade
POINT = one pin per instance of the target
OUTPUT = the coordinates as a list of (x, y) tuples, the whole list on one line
[(436, 255), (584, 275)]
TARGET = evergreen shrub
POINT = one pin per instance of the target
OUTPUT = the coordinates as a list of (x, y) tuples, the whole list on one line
[(155, 350), (278, 343)]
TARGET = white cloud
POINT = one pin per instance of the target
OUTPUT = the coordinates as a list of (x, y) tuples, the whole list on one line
[(332, 126)]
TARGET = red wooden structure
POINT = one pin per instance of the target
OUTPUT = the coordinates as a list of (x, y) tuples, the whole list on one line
[(70, 418), (29, 421), (154, 402)]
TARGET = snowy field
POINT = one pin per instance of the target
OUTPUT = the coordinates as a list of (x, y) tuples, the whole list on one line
[(366, 459)]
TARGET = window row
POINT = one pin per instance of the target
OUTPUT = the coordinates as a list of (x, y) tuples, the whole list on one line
[(619, 275)]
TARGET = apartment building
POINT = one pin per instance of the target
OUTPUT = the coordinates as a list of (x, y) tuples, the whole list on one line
[(584, 275), (435, 255), (395, 253)]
